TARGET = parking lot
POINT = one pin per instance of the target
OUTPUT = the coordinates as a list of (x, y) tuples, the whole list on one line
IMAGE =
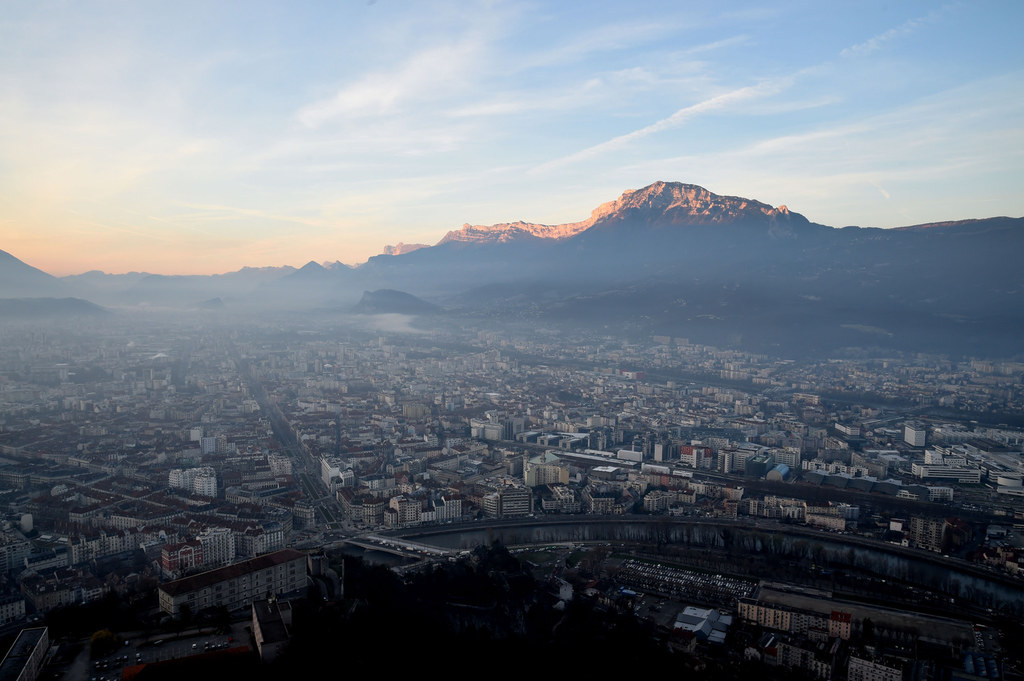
[(687, 585), (153, 649)]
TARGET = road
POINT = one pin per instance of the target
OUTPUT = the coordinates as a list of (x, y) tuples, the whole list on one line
[(305, 468)]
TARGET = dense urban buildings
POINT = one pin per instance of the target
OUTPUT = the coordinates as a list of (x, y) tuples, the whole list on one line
[(213, 461)]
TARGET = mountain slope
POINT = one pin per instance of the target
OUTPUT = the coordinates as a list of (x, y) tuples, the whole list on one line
[(388, 301), (48, 308), (20, 280), (657, 205), (677, 259)]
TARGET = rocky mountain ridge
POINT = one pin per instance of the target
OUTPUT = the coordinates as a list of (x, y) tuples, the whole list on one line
[(670, 258), (674, 203), (402, 249)]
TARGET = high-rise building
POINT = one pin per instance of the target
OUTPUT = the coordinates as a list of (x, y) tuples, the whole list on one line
[(928, 533), (914, 434), (208, 445), (508, 502), (218, 546)]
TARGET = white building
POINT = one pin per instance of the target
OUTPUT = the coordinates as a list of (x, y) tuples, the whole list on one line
[(962, 474), (861, 669), (280, 464), (914, 435), (218, 546), (449, 508), (201, 481), (205, 485)]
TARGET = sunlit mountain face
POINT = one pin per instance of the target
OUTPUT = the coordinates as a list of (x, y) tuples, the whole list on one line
[(668, 258)]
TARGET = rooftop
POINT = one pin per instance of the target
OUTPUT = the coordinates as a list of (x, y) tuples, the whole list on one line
[(211, 577)]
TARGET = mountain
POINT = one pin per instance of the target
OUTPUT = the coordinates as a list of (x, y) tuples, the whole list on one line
[(142, 288), (48, 308), (644, 232), (387, 301), (401, 248), (669, 259), (657, 205), (676, 203), (677, 259), (20, 280), (511, 231), (331, 286)]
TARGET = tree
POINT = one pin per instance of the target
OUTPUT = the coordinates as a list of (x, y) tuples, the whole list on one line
[(869, 630), (102, 643)]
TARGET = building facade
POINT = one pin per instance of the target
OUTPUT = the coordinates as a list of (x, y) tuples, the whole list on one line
[(236, 586)]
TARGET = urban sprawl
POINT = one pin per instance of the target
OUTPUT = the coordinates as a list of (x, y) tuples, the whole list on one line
[(204, 466)]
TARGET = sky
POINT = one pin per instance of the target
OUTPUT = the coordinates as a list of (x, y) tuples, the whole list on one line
[(201, 137)]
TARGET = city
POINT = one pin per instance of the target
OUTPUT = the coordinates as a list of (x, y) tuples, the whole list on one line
[(713, 493), (439, 338)]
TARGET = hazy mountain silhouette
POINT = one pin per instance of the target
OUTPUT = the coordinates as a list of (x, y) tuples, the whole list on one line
[(48, 308), (20, 280), (388, 301), (670, 258), (679, 260)]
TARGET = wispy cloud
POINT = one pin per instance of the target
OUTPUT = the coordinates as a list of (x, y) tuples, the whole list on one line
[(533, 100), (874, 170), (716, 45), (428, 74), (879, 41), (718, 102), (317, 133), (672, 72), (606, 38), (227, 212)]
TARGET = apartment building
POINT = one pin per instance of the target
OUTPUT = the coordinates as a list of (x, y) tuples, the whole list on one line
[(236, 586)]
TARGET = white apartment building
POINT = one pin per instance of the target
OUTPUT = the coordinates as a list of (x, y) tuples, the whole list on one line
[(914, 435), (201, 481), (862, 669), (218, 546)]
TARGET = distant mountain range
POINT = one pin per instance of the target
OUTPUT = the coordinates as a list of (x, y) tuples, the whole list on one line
[(670, 258)]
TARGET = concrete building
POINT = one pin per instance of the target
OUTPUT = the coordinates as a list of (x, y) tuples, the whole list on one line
[(508, 502), (928, 533), (402, 512), (448, 508), (26, 655), (536, 474), (218, 546), (962, 474), (201, 481), (237, 586), (868, 669), (271, 621), (813, 612), (914, 434), (11, 608)]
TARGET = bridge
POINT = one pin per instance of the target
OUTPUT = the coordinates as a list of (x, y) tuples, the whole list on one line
[(399, 547)]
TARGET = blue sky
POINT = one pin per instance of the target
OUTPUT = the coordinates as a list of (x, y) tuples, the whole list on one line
[(201, 137)]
